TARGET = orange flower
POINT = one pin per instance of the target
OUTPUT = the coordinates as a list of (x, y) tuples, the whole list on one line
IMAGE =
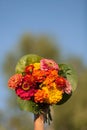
[(15, 81), (39, 75), (40, 96), (50, 78)]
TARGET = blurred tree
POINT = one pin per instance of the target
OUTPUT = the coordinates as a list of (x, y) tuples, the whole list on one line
[(20, 121)]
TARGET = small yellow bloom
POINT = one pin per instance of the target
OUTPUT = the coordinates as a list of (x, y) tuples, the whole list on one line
[(36, 66)]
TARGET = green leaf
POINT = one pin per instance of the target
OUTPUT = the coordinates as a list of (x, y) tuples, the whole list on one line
[(68, 72), (26, 60), (28, 105)]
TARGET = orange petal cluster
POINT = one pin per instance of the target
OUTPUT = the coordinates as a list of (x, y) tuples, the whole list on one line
[(15, 81), (40, 96)]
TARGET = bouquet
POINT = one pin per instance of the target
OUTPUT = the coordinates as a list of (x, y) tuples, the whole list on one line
[(40, 83)]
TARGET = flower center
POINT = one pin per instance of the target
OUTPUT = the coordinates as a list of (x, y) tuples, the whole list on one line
[(25, 86)]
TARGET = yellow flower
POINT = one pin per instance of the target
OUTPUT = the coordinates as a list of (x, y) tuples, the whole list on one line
[(54, 95), (36, 66)]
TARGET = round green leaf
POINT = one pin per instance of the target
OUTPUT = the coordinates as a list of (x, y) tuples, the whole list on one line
[(26, 60), (28, 105)]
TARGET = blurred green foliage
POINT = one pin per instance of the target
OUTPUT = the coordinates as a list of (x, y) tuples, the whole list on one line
[(70, 116)]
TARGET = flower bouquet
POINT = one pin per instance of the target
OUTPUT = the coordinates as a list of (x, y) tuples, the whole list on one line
[(40, 83)]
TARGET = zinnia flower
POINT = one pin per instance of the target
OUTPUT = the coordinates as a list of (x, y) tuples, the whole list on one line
[(68, 87), (47, 64), (40, 96), (29, 79), (25, 95), (61, 82), (39, 75), (54, 95), (29, 69), (15, 81), (51, 77)]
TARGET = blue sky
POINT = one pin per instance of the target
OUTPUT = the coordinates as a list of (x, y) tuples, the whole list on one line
[(63, 19)]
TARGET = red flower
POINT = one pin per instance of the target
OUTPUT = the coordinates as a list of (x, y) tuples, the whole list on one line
[(27, 90), (29, 79), (25, 95), (61, 82), (64, 84), (15, 81), (29, 69)]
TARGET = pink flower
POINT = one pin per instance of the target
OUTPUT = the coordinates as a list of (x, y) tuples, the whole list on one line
[(68, 87), (15, 81), (25, 95), (47, 64)]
